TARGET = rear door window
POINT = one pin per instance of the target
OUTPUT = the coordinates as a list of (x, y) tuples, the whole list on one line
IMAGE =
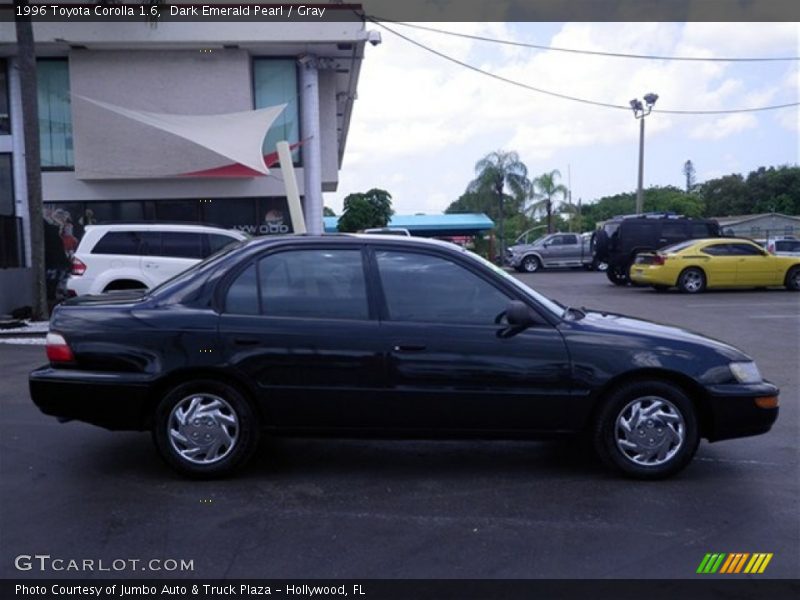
[(126, 243), (314, 283)]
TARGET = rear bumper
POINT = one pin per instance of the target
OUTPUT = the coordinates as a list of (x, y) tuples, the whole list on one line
[(117, 401), (651, 275), (734, 412)]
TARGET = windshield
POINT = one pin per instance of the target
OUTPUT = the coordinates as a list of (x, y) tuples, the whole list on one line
[(554, 307)]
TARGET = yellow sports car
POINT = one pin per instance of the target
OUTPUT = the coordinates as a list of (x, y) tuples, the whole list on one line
[(695, 265)]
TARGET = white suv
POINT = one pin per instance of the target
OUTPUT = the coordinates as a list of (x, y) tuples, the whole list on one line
[(124, 257)]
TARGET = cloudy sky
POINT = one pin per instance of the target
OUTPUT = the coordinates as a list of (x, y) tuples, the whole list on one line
[(420, 122)]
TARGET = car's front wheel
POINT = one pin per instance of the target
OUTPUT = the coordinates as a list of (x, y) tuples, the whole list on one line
[(648, 430), (205, 429), (531, 264)]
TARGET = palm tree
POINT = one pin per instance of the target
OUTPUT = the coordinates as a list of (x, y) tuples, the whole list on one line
[(497, 172), (544, 191)]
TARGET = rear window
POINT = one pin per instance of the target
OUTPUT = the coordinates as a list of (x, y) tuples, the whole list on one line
[(126, 243), (703, 230), (677, 247)]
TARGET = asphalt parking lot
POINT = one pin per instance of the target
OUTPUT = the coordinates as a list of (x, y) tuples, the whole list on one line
[(359, 509)]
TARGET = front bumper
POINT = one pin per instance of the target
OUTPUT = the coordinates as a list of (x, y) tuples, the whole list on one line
[(117, 401), (512, 260), (734, 413)]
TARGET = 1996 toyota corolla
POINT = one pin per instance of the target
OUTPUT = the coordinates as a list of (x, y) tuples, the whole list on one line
[(382, 336)]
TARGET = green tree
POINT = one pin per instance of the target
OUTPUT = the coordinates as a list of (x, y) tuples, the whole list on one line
[(365, 210), (544, 192), (328, 212), (496, 173)]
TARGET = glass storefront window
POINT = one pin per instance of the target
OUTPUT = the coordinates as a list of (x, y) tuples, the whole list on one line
[(6, 186), (55, 114), (5, 117), (275, 82)]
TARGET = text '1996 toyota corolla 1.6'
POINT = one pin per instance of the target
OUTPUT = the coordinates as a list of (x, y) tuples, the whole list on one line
[(385, 336)]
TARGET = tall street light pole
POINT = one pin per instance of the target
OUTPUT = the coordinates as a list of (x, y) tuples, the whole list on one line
[(640, 111)]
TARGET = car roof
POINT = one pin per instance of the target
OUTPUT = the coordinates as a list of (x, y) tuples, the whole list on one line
[(160, 227), (399, 240)]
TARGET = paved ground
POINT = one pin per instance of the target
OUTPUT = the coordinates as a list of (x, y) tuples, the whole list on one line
[(401, 510)]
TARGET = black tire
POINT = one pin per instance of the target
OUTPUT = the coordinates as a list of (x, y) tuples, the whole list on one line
[(617, 275), (530, 264), (792, 281), (599, 244), (215, 424), (661, 445), (692, 281)]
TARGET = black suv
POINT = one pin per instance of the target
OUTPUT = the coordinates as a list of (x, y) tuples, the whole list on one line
[(620, 239)]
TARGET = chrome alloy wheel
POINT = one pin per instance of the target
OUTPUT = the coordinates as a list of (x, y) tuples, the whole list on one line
[(693, 281), (203, 428), (649, 431)]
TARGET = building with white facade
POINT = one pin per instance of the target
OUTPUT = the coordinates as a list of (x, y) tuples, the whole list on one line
[(172, 122)]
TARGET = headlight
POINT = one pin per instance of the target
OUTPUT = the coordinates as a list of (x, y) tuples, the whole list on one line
[(745, 372)]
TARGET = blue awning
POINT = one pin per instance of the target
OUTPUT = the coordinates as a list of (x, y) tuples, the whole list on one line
[(432, 225)]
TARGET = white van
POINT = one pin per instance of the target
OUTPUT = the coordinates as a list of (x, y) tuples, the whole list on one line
[(126, 256)]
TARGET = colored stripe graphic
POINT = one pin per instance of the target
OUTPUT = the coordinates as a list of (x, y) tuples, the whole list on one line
[(758, 563), (711, 563), (734, 563)]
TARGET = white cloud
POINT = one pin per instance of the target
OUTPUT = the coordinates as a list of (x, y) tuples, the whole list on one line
[(723, 127), (430, 120)]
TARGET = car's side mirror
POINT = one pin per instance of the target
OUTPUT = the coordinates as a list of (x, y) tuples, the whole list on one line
[(519, 314)]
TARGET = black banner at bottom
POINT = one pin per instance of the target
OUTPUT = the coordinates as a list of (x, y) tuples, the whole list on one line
[(392, 589)]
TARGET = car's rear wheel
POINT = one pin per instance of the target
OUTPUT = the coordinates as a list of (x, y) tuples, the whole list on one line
[(205, 429), (648, 430), (531, 264), (793, 279), (692, 281)]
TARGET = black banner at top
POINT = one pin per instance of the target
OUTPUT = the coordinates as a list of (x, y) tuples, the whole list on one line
[(155, 11)]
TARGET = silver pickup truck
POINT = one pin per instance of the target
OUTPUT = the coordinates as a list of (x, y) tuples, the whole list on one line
[(553, 250)]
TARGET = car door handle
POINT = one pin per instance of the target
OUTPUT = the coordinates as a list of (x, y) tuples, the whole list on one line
[(409, 347), (150, 265), (245, 341)]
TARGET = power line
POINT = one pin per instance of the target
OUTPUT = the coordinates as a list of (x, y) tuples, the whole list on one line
[(567, 96), (598, 52)]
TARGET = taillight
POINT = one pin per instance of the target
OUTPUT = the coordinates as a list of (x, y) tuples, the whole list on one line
[(659, 259), (78, 267), (58, 351)]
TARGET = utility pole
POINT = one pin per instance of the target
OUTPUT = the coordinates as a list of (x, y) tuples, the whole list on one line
[(640, 111), (26, 63)]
